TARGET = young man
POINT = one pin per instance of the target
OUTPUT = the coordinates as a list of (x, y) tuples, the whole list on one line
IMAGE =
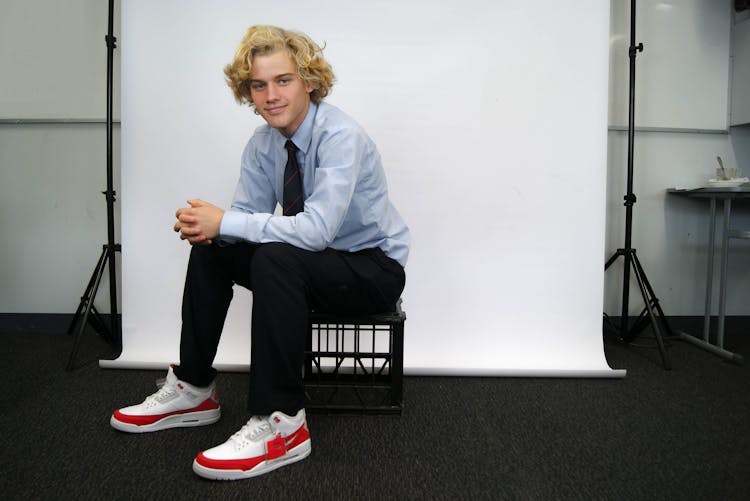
[(340, 246)]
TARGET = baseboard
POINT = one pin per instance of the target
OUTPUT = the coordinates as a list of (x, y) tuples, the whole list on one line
[(47, 323), (39, 323), (688, 319), (685, 323)]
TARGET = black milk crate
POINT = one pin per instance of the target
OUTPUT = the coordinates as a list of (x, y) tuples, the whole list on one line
[(355, 364)]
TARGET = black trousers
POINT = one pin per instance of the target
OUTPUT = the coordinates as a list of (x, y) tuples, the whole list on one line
[(287, 282)]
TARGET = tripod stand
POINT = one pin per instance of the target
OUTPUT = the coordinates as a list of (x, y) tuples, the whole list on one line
[(624, 332), (107, 257)]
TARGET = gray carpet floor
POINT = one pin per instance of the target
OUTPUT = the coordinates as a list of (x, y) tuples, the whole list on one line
[(656, 434)]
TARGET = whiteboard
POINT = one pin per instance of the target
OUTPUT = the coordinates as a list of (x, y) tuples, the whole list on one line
[(506, 268), (58, 68), (682, 75), (741, 74)]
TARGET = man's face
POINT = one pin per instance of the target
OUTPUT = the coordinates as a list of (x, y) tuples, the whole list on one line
[(279, 94)]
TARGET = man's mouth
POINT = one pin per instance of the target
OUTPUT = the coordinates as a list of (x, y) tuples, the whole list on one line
[(275, 110)]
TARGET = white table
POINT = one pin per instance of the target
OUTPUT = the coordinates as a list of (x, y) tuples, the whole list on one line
[(726, 196)]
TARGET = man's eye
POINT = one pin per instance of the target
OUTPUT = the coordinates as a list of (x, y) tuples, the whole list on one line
[(284, 81), (257, 86)]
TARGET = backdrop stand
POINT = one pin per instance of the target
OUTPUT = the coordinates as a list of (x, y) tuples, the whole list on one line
[(107, 259), (624, 332)]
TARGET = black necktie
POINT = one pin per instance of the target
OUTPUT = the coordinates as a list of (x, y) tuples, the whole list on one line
[(292, 182)]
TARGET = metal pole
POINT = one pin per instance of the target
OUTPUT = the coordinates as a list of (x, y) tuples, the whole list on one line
[(110, 193), (629, 197)]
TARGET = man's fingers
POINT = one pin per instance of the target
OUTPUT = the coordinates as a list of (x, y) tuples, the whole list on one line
[(199, 239), (187, 218), (194, 223), (190, 231)]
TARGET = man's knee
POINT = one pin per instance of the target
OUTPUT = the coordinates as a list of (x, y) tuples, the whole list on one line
[(230, 262), (200, 251), (201, 256)]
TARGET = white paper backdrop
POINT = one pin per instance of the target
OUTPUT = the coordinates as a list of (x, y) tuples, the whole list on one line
[(491, 117)]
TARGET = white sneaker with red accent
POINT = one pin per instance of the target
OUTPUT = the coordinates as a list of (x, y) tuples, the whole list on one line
[(262, 445), (177, 404)]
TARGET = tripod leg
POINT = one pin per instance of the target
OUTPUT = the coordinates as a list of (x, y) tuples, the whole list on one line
[(89, 304), (654, 300), (87, 296), (624, 329), (612, 259), (609, 325), (624, 318), (100, 326), (642, 282)]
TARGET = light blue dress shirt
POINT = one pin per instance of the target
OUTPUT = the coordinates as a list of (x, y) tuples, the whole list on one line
[(344, 187)]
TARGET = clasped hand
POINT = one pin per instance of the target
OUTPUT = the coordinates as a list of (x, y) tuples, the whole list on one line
[(198, 224)]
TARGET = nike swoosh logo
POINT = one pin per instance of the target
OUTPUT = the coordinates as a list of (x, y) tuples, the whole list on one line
[(288, 440)]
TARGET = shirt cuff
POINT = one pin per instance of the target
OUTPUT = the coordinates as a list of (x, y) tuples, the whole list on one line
[(235, 226)]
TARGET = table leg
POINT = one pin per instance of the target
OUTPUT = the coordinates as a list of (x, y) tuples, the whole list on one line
[(723, 277), (709, 271)]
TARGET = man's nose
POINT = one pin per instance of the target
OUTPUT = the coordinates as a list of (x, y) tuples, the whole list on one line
[(273, 92)]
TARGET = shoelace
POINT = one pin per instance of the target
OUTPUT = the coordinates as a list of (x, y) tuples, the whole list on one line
[(164, 391), (252, 430)]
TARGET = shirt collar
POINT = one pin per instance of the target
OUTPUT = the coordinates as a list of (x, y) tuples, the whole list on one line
[(302, 137)]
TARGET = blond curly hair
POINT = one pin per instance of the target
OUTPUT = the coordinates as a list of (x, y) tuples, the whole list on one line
[(312, 68)]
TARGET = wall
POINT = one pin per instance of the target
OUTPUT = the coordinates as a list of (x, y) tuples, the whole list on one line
[(670, 233), (52, 214), (740, 111), (53, 152)]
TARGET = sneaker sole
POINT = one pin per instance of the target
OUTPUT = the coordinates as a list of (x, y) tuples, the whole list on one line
[(188, 420), (292, 456)]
